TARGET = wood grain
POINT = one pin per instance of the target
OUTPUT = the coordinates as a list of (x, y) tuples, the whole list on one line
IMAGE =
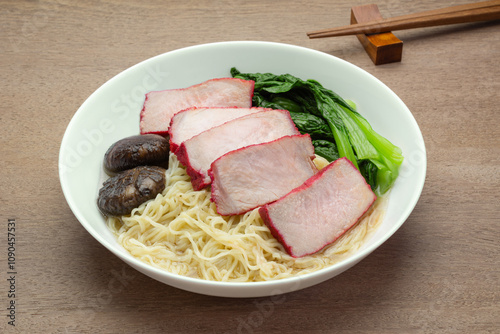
[(439, 273)]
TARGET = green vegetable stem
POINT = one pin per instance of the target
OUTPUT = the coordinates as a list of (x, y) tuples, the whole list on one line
[(337, 130)]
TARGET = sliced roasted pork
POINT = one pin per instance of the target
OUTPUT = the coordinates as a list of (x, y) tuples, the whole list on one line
[(319, 211), (160, 106), (258, 174), (193, 121), (198, 153)]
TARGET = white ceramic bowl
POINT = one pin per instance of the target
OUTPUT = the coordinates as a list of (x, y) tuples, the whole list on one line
[(112, 112)]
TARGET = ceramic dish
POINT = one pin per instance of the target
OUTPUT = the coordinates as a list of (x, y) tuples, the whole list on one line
[(112, 112)]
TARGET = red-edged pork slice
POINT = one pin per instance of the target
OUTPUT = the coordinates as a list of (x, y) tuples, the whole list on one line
[(258, 174), (319, 211), (193, 121), (160, 106), (198, 153)]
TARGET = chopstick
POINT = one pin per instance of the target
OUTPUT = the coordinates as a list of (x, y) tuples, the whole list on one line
[(481, 11)]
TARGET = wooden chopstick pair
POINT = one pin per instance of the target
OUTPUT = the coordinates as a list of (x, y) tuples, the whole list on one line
[(481, 11)]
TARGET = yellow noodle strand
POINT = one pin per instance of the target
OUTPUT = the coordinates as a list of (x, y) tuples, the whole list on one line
[(180, 231)]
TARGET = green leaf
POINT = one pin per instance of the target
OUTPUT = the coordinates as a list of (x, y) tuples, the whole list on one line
[(326, 149), (335, 126)]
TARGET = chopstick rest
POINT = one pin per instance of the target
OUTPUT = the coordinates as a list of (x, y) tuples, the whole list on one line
[(382, 48)]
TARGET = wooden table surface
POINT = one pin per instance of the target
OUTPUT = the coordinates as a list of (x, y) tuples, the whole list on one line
[(440, 273)]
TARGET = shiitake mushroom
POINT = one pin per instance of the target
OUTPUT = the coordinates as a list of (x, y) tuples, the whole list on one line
[(129, 189), (139, 150)]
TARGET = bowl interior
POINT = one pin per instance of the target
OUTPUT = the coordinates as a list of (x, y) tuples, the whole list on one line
[(112, 112)]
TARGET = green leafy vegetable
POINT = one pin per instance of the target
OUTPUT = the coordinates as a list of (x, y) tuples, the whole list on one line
[(311, 124), (326, 149), (336, 128)]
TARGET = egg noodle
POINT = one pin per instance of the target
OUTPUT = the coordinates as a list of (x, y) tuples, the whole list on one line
[(181, 232)]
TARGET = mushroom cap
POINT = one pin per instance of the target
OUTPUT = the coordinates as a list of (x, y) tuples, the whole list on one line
[(127, 190), (138, 150)]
